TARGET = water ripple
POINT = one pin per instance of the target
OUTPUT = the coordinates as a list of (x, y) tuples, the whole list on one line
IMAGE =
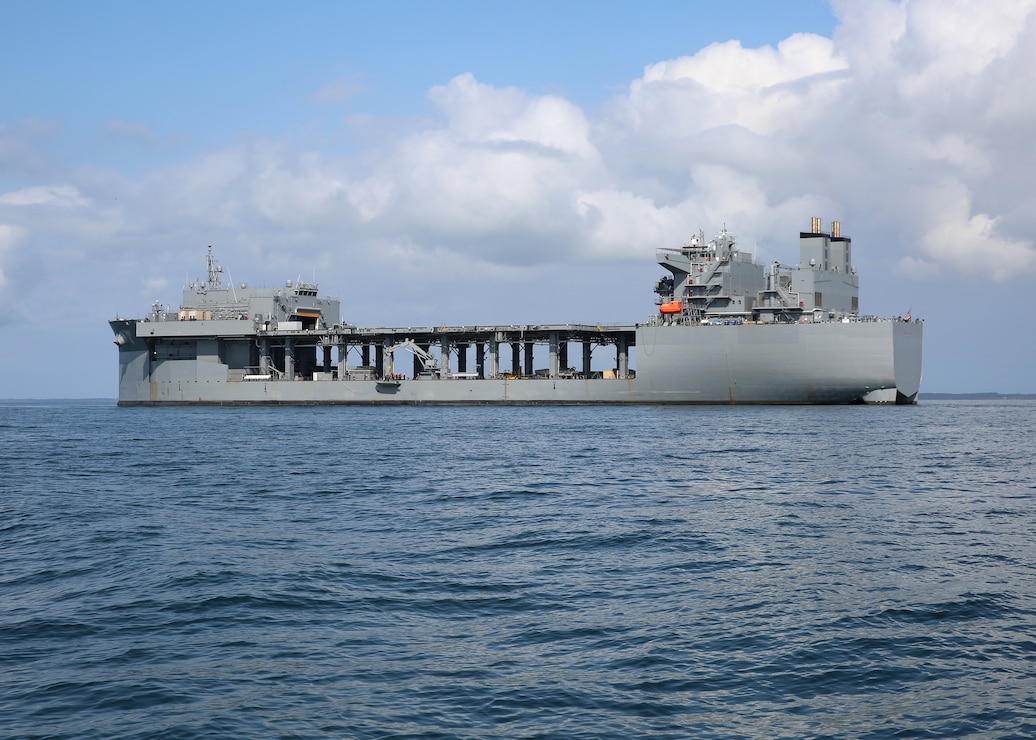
[(528, 573)]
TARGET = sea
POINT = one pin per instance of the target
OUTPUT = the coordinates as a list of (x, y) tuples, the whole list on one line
[(506, 572)]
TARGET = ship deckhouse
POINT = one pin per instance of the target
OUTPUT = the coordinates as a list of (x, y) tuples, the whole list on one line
[(716, 281)]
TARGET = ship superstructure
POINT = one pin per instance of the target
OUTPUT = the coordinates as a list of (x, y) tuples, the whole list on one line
[(717, 281), (726, 331)]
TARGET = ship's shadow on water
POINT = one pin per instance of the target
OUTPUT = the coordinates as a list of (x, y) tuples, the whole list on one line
[(509, 572)]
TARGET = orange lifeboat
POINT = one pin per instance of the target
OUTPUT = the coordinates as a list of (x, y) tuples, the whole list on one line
[(671, 307)]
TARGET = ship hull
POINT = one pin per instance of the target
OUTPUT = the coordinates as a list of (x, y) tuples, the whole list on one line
[(822, 363)]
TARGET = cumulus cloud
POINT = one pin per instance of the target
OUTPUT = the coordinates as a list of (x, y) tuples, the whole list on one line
[(871, 124), (908, 122), (481, 113), (959, 238), (761, 90)]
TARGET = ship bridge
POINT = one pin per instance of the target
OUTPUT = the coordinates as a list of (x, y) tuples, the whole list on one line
[(717, 281)]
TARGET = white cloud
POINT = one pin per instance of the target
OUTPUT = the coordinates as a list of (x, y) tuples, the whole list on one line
[(958, 239), (868, 127), (293, 189), (496, 176), (63, 196), (762, 90), (955, 42), (370, 197), (9, 237), (480, 113), (618, 223)]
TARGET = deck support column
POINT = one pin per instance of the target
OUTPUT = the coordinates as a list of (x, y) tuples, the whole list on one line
[(264, 356), (444, 357), (553, 366), (587, 350), (379, 359), (327, 358), (289, 358), (516, 359), (622, 359), (494, 358), (365, 354), (529, 370), (480, 359), (462, 358), (563, 354), (343, 360)]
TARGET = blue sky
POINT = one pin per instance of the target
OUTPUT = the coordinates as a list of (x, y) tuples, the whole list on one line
[(510, 162)]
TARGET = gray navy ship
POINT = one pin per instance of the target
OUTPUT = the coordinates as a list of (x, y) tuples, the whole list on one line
[(725, 330)]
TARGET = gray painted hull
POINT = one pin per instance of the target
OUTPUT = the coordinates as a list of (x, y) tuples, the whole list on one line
[(822, 363)]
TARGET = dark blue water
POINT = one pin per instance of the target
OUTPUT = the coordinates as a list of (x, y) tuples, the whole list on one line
[(519, 573)]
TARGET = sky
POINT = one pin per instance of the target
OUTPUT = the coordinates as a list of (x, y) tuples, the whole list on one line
[(510, 162)]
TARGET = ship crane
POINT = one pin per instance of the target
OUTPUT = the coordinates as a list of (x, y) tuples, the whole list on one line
[(428, 361)]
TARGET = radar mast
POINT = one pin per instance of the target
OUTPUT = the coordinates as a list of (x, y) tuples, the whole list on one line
[(214, 271)]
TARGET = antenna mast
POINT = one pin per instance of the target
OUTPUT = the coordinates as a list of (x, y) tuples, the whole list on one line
[(214, 270)]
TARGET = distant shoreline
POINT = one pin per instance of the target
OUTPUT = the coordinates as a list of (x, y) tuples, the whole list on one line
[(976, 396)]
